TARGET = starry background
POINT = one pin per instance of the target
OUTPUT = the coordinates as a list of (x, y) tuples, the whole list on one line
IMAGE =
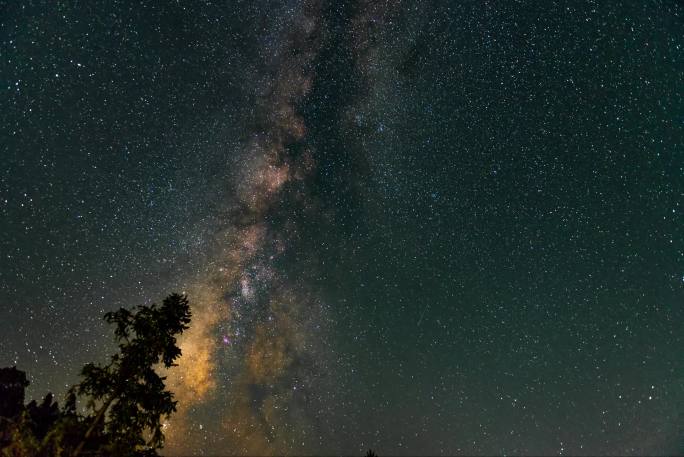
[(469, 238)]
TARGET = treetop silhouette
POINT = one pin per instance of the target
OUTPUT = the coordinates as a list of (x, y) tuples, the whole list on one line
[(126, 397)]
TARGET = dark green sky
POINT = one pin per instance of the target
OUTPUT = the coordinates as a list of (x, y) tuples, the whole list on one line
[(481, 222)]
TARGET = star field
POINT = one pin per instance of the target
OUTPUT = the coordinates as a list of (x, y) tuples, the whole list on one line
[(427, 228)]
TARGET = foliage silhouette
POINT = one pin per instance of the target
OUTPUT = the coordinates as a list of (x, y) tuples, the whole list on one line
[(126, 397), (128, 388), (43, 416)]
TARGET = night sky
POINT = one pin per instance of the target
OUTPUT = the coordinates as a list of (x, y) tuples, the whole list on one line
[(423, 227)]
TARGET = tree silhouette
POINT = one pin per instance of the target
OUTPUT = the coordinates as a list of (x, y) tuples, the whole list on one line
[(43, 416), (128, 398), (20, 441)]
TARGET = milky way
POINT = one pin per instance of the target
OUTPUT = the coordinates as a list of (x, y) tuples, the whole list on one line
[(257, 344)]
